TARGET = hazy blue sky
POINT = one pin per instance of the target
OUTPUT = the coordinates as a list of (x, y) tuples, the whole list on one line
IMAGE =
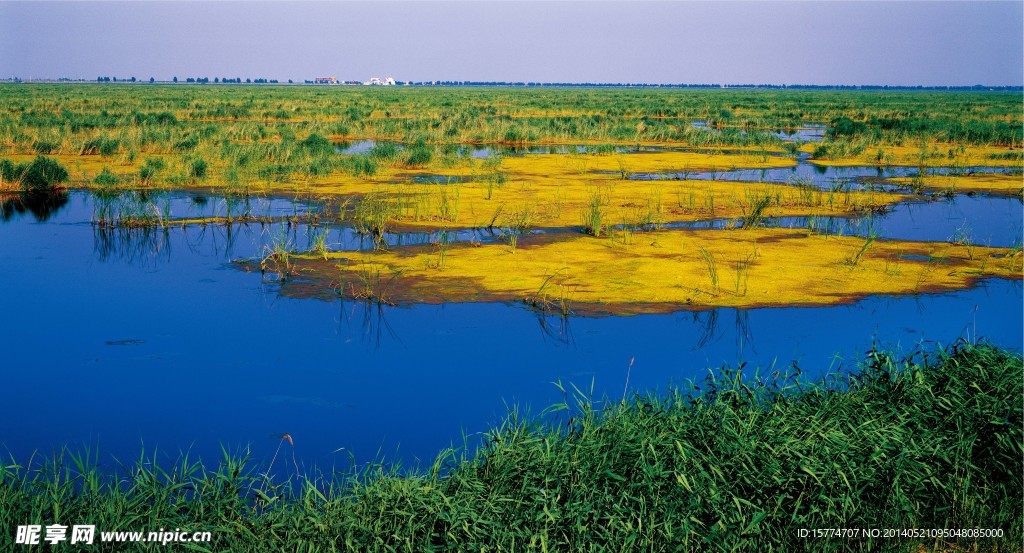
[(906, 43)]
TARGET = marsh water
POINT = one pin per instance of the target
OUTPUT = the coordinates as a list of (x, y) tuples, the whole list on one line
[(153, 339)]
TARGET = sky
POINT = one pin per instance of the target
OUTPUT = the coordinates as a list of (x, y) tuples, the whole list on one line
[(932, 43)]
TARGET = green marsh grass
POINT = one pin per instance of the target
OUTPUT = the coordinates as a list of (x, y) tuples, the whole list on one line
[(711, 266), (742, 275), (730, 463), (511, 237), (370, 286), (868, 240), (277, 257), (755, 215), (495, 216), (442, 245), (493, 175), (547, 303), (593, 216), (128, 209), (516, 224), (373, 215), (449, 200), (42, 174), (319, 240), (285, 134), (624, 172)]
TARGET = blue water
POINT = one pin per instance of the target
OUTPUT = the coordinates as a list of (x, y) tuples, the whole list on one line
[(356, 147), (978, 220), (486, 151), (809, 133), (127, 339), (824, 177)]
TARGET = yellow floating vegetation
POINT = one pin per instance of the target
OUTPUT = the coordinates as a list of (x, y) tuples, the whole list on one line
[(977, 183), (643, 162), (932, 154), (552, 191), (654, 272), (543, 191), (605, 201)]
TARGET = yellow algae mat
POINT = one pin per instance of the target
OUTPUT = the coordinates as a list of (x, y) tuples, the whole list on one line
[(650, 272), (998, 184), (556, 191), (928, 154)]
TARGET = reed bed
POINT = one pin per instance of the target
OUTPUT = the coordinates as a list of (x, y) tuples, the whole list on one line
[(280, 134)]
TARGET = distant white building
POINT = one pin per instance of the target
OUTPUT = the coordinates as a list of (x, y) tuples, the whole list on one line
[(377, 81)]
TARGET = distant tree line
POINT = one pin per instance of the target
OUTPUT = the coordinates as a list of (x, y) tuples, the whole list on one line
[(707, 85), (238, 80), (196, 80)]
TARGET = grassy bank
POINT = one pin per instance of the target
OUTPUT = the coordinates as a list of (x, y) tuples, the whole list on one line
[(931, 442)]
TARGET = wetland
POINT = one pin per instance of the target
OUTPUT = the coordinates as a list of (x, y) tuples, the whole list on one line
[(380, 273)]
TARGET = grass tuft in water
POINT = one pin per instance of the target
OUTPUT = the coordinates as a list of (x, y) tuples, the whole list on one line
[(593, 215), (277, 257)]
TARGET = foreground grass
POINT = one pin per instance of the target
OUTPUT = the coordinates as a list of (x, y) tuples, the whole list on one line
[(931, 442)]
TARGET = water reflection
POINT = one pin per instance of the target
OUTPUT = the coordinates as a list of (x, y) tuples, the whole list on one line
[(709, 331), (149, 246), (369, 320), (144, 246), (555, 329), (355, 147), (810, 132), (41, 205)]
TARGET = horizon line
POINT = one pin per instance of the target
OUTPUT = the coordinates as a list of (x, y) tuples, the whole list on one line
[(264, 81)]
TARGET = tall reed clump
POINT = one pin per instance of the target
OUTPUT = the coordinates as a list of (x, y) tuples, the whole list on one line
[(42, 174), (592, 216), (755, 215), (739, 464), (372, 215), (277, 257)]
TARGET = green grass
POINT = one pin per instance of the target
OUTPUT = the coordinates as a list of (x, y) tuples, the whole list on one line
[(319, 243), (728, 464), (755, 216), (369, 286), (373, 215), (711, 267), (115, 208), (106, 178), (41, 175), (442, 245), (277, 257), (855, 258), (547, 303), (592, 217), (249, 129)]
